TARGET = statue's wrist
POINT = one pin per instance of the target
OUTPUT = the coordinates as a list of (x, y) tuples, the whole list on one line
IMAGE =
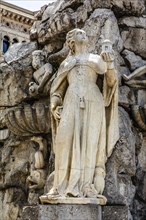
[(110, 66)]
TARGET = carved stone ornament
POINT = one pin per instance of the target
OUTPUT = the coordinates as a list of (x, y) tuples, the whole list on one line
[(42, 74), (28, 120)]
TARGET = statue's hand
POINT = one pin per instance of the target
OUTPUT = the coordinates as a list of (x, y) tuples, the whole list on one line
[(55, 107), (99, 181), (108, 58), (57, 113), (99, 184)]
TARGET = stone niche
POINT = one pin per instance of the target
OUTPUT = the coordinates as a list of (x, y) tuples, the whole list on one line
[(26, 154)]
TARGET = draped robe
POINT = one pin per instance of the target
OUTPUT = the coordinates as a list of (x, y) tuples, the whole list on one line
[(88, 128)]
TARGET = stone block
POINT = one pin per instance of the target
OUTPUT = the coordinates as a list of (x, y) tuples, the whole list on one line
[(30, 213), (75, 212), (70, 212), (116, 213)]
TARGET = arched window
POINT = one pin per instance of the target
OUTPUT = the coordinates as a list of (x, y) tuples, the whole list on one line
[(6, 44), (15, 41)]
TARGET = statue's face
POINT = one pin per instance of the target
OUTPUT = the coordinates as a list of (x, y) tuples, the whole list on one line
[(36, 61), (81, 37)]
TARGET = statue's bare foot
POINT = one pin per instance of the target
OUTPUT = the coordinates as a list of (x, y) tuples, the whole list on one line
[(90, 192), (72, 193), (53, 193)]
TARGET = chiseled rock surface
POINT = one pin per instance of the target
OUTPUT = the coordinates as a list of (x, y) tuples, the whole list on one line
[(10, 210), (69, 211), (139, 22), (116, 212), (134, 40), (106, 28), (14, 84), (18, 52), (30, 213), (128, 7), (126, 97), (56, 26), (132, 60), (15, 73), (121, 165)]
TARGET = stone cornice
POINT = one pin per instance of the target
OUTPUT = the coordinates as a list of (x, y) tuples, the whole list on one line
[(3, 3), (16, 13), (16, 17)]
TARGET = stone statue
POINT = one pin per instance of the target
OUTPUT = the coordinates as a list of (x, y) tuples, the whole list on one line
[(84, 119), (42, 74)]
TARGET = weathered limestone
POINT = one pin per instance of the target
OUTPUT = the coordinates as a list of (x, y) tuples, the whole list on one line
[(30, 213), (19, 52), (16, 70), (134, 40), (133, 61), (138, 22), (126, 97), (106, 28), (57, 24), (116, 212), (121, 165), (128, 7), (70, 211)]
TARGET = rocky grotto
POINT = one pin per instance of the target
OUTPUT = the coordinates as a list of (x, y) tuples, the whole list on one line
[(26, 152)]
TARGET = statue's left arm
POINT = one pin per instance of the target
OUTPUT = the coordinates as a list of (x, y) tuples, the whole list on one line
[(110, 79)]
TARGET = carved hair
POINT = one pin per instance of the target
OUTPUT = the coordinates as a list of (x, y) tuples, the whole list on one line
[(70, 41)]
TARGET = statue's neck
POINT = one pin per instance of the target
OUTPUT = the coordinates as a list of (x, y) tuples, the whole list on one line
[(80, 50)]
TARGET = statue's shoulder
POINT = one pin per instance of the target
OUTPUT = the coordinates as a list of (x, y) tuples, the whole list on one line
[(97, 63), (68, 63), (95, 56)]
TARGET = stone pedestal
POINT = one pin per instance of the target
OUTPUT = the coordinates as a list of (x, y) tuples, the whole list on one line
[(70, 212), (75, 212)]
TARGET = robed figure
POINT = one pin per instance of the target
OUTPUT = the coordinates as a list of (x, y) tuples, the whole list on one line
[(84, 119)]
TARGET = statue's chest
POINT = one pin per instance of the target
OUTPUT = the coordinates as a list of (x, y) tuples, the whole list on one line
[(82, 74)]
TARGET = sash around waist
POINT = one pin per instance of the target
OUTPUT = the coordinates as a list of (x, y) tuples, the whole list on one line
[(89, 91)]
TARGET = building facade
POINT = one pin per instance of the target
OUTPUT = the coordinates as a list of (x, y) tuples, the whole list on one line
[(15, 23)]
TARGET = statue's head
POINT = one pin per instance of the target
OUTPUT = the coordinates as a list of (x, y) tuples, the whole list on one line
[(38, 58), (76, 37)]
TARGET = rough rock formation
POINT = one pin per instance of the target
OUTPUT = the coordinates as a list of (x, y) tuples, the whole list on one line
[(26, 158)]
